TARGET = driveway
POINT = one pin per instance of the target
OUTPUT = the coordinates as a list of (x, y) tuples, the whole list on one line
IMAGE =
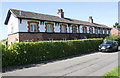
[(95, 64)]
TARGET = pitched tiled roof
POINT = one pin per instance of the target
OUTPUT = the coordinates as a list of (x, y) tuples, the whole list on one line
[(39, 16)]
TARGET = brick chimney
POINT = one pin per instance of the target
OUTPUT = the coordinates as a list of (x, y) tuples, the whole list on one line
[(20, 13), (60, 13), (90, 19)]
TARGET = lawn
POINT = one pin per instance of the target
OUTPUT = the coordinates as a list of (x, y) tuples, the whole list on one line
[(114, 72)]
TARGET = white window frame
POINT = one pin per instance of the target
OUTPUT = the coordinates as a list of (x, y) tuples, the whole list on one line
[(49, 28), (74, 28), (63, 29), (85, 30), (34, 25), (91, 30)]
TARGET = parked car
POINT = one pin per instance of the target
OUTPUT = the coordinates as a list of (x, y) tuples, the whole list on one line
[(108, 46)]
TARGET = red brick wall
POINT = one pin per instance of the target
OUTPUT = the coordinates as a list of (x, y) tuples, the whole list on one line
[(32, 37), (114, 31), (13, 38)]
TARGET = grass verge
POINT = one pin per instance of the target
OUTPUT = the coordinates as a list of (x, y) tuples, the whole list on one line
[(114, 73)]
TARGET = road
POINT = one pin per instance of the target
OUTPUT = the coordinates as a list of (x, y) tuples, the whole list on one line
[(95, 64)]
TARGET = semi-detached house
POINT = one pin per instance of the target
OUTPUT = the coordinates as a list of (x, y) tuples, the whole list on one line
[(25, 26)]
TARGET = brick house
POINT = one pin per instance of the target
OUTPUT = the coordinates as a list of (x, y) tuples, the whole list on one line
[(24, 26), (116, 30)]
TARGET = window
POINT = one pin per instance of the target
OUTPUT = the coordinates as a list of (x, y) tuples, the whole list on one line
[(105, 31), (96, 30), (84, 29), (33, 27), (101, 31), (64, 39), (63, 28), (108, 31), (74, 29), (49, 28), (90, 30), (50, 39)]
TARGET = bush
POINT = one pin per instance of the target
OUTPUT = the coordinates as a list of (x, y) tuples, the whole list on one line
[(113, 37), (32, 52)]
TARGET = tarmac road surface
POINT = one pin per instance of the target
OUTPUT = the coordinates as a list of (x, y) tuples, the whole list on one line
[(95, 64)]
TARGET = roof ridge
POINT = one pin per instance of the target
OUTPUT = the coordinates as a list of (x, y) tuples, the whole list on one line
[(56, 18)]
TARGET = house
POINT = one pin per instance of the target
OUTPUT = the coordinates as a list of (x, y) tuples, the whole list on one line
[(25, 26), (116, 30)]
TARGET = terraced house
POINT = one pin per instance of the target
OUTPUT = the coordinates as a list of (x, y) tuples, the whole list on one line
[(30, 26)]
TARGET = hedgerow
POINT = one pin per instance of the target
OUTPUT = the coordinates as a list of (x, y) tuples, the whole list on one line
[(31, 52)]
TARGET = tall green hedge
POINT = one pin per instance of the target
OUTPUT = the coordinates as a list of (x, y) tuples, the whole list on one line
[(32, 52)]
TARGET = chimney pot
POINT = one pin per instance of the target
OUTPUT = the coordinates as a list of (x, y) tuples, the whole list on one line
[(60, 13), (90, 19), (20, 13)]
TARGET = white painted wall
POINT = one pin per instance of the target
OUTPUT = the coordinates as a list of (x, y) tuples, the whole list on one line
[(42, 26), (98, 31), (94, 30), (70, 29), (80, 28), (106, 31), (23, 26), (57, 28), (87, 29), (13, 21), (77, 29), (103, 31)]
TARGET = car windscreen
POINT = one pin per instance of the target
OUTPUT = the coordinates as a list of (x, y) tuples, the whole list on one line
[(107, 42)]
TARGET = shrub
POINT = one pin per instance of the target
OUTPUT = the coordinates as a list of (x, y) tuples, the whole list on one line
[(113, 37), (32, 52)]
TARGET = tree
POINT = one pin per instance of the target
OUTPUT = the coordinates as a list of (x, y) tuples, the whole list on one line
[(116, 23)]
